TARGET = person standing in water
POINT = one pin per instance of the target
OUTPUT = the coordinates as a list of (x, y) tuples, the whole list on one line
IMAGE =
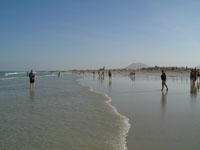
[(163, 78), (32, 79)]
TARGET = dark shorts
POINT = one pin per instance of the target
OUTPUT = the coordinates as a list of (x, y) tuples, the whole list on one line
[(32, 80)]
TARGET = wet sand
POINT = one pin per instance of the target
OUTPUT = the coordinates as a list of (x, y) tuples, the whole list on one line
[(159, 120)]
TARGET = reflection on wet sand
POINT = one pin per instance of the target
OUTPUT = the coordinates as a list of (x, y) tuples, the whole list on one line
[(132, 78), (32, 95), (193, 90), (163, 101), (110, 85)]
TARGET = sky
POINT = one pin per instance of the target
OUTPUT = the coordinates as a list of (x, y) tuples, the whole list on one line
[(89, 34)]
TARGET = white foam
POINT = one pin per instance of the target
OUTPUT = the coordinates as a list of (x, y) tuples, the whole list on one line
[(124, 118), (10, 73)]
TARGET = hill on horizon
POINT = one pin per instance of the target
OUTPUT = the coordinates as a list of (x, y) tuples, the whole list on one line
[(137, 66)]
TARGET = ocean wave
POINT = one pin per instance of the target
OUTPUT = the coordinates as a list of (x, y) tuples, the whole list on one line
[(10, 73), (126, 126)]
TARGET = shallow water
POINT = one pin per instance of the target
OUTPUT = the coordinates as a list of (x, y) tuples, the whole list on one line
[(159, 120), (59, 114)]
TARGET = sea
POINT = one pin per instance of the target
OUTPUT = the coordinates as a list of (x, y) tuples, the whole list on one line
[(60, 113)]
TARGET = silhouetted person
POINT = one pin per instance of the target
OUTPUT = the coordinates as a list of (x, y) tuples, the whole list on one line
[(164, 79), (193, 75), (59, 74), (109, 74), (32, 79)]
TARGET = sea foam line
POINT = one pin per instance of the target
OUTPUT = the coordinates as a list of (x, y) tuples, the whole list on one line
[(125, 119), (10, 73)]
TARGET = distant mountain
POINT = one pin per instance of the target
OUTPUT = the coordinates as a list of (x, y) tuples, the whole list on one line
[(137, 66)]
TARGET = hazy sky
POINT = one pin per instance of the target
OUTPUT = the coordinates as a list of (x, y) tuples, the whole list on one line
[(89, 34)]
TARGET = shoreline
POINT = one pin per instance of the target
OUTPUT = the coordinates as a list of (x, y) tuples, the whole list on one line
[(169, 73), (114, 109)]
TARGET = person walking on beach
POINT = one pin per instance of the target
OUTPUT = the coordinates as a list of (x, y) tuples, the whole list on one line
[(109, 74), (32, 79), (163, 78), (193, 75), (59, 74)]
